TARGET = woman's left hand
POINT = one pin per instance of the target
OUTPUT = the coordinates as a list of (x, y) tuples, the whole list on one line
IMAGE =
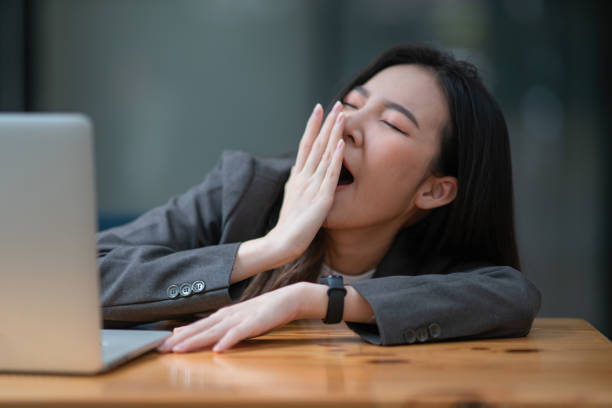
[(231, 324)]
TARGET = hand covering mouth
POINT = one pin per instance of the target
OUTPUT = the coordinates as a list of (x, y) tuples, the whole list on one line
[(346, 177)]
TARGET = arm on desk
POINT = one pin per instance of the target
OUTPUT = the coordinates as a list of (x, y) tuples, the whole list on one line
[(228, 326), (481, 303), (144, 262), (485, 302)]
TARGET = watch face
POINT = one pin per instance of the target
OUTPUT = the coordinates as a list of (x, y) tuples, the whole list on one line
[(335, 282)]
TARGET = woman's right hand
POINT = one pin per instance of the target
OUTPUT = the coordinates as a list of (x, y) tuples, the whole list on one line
[(309, 191), (309, 195)]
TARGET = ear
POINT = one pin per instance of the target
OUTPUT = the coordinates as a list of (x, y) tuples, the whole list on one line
[(436, 192)]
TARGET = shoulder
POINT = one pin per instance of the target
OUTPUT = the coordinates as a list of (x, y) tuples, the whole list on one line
[(405, 258), (239, 175), (239, 166), (241, 172), (250, 185)]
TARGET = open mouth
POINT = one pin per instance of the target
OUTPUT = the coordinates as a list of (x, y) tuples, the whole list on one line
[(345, 176)]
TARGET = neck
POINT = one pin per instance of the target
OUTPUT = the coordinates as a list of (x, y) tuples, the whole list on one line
[(357, 250)]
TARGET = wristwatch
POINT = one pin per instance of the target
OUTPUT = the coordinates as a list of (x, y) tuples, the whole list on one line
[(335, 293)]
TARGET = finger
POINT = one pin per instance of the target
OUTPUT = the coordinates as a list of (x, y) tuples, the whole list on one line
[(181, 333), (310, 133), (203, 339), (333, 171), (230, 339), (336, 134), (320, 142), (322, 139)]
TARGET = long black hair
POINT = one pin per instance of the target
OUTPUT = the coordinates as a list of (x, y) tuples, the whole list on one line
[(478, 225)]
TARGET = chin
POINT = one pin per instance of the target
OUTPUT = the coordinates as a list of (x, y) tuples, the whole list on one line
[(337, 219)]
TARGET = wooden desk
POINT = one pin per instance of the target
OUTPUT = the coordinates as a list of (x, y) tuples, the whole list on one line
[(563, 362)]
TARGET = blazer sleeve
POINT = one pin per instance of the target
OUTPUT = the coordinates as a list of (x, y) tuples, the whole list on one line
[(142, 264), (485, 302)]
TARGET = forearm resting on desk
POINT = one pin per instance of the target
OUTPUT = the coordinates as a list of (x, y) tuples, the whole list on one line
[(229, 325)]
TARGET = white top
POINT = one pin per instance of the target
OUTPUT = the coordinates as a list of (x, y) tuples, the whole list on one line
[(348, 279)]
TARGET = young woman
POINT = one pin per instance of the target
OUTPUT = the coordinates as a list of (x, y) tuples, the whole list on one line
[(404, 189)]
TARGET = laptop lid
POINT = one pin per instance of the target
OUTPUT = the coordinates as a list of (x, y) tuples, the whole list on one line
[(49, 291)]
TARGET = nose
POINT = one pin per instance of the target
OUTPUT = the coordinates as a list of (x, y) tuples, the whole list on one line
[(353, 128)]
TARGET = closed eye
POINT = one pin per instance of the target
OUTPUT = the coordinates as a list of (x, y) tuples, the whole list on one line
[(350, 105), (394, 127)]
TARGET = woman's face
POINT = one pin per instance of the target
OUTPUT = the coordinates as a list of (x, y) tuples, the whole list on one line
[(392, 133)]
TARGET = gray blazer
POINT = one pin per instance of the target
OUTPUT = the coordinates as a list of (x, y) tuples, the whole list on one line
[(176, 260)]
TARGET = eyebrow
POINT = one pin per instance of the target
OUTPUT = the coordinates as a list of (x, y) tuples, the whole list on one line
[(391, 105)]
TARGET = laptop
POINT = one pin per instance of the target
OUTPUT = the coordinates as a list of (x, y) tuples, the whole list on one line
[(50, 314)]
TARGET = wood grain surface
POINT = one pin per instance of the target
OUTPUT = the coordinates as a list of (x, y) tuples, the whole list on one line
[(563, 362)]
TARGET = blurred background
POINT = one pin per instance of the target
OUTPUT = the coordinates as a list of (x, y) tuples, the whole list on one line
[(170, 84)]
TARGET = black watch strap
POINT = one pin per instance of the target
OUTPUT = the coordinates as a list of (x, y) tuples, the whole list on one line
[(335, 294)]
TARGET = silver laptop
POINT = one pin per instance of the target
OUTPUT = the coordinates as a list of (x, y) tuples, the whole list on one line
[(50, 314)]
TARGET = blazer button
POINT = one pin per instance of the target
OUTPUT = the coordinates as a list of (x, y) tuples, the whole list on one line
[(409, 336), (198, 286), (422, 334), (185, 289), (434, 330), (172, 291)]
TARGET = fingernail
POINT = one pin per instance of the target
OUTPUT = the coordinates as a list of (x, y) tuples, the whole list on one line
[(178, 347), (316, 110), (340, 117), (336, 106), (340, 144)]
